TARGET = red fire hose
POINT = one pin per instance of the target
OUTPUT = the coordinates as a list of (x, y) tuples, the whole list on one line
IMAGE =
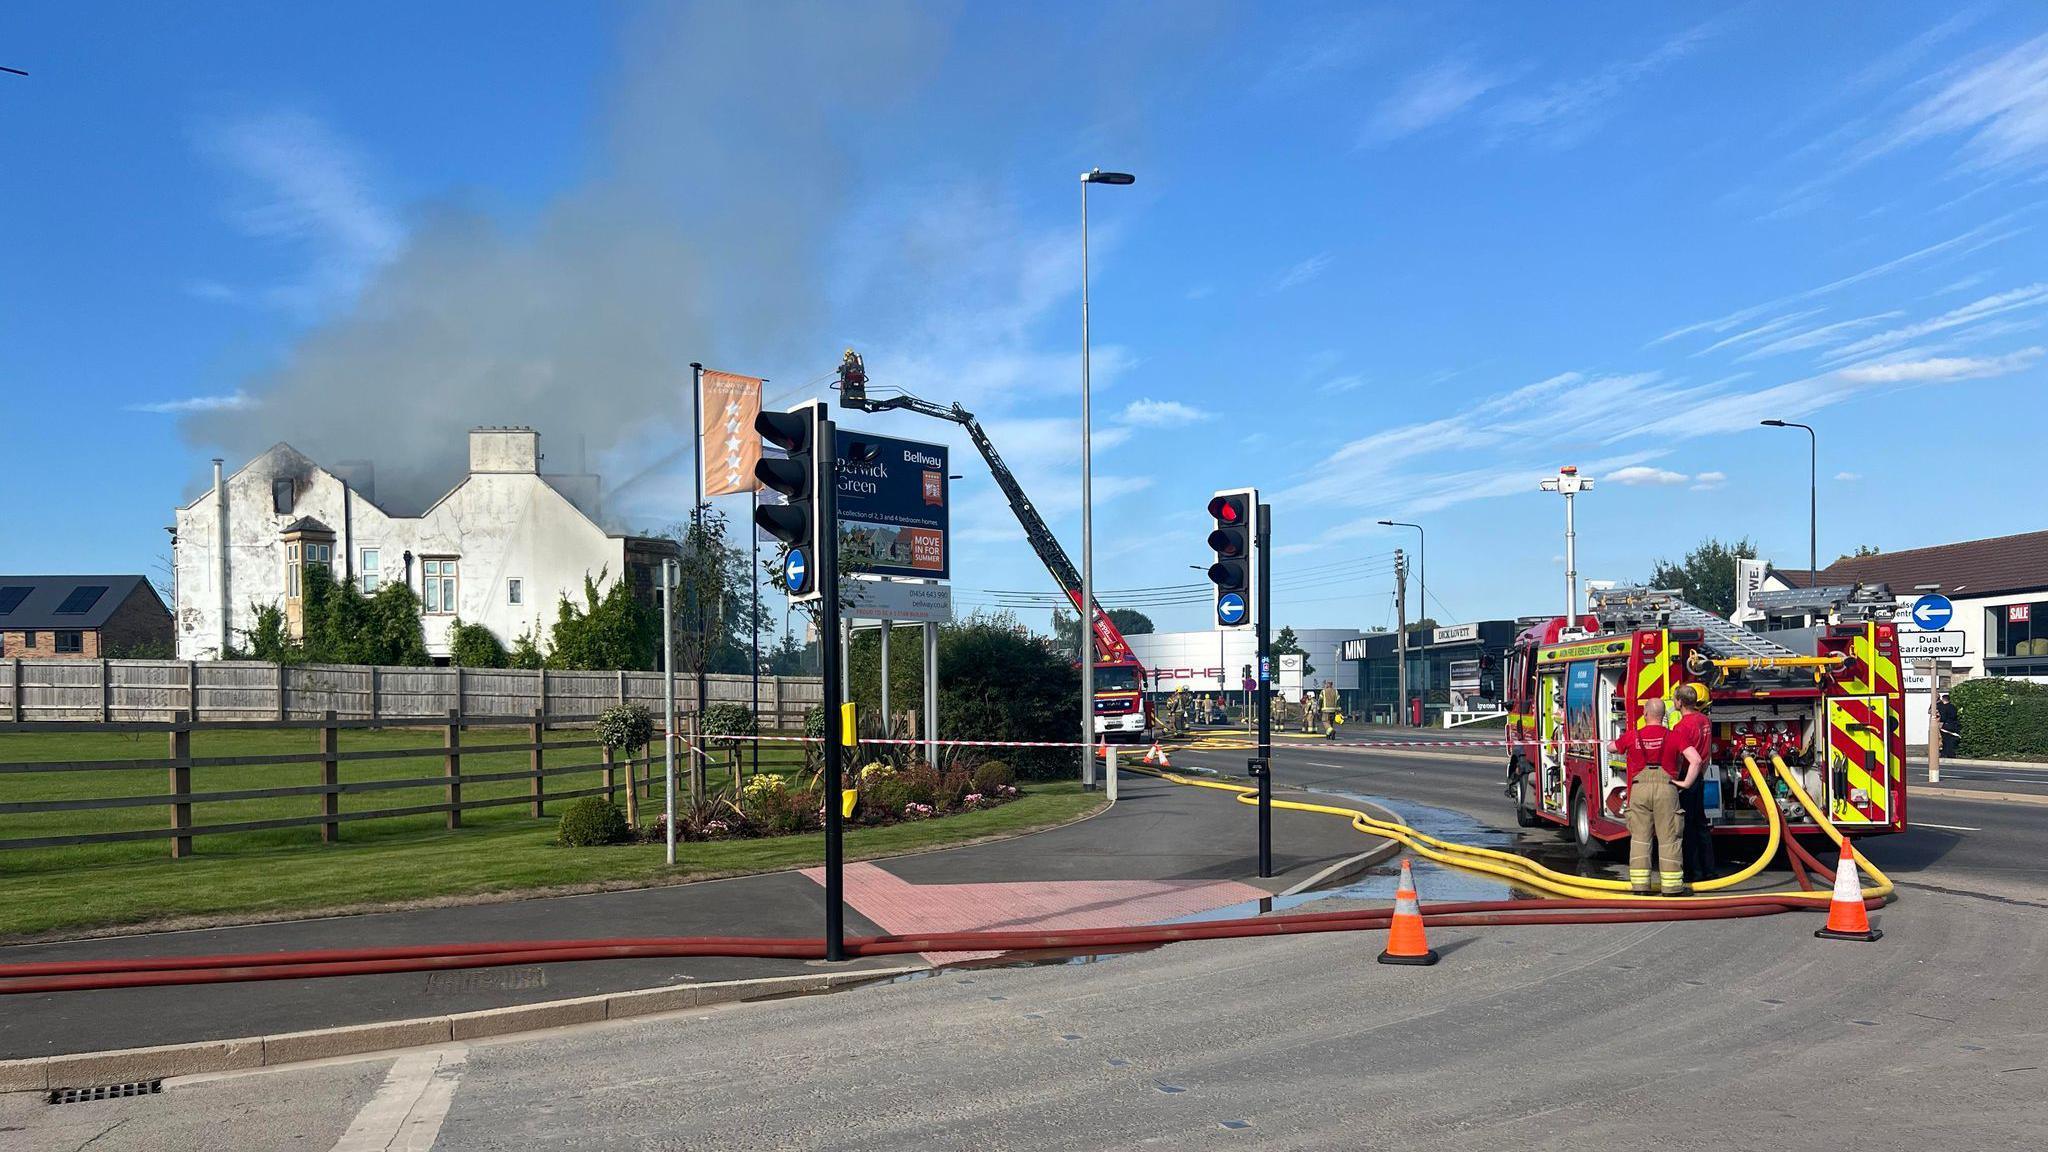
[(93, 975)]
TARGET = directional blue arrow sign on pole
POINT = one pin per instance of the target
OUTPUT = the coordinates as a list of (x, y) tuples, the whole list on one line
[(795, 571), (1932, 612), (1230, 608)]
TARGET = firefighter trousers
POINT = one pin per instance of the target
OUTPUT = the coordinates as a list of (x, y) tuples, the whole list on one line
[(1653, 812)]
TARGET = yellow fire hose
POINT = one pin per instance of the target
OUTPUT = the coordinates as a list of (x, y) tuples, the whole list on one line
[(1529, 874)]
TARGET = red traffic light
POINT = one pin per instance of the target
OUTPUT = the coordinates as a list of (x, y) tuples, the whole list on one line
[(1227, 509)]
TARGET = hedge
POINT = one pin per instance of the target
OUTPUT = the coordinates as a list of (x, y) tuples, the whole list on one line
[(2001, 719)]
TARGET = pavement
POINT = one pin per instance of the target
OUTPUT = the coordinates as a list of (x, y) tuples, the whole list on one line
[(1162, 852), (1746, 1034)]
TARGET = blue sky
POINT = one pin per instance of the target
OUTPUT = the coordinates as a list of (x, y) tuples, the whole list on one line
[(1383, 262)]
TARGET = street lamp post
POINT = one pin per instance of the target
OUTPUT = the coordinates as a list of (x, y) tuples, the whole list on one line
[(1812, 497), (1092, 176)]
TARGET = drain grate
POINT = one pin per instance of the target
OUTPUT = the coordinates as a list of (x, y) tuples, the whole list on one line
[(106, 1092), (468, 980)]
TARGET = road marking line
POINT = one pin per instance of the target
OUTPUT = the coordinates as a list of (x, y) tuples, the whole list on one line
[(406, 1113), (1944, 827)]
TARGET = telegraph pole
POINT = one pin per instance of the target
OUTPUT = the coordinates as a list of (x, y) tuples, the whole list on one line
[(1401, 637)]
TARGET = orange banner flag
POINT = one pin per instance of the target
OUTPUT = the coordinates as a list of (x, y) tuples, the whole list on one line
[(731, 447)]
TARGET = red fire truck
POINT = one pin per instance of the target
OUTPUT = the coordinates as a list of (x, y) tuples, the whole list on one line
[(1834, 712)]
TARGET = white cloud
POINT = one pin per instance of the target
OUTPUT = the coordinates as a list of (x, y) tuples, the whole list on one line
[(232, 402), (1303, 272), (1427, 99), (308, 188), (1940, 368), (1162, 413), (1744, 315), (1642, 474), (1846, 476), (1568, 109), (1342, 384), (1815, 337), (1708, 481), (1761, 330), (2001, 106), (2028, 297)]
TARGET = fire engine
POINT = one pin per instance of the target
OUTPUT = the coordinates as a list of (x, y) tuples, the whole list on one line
[(1834, 713), (1122, 710)]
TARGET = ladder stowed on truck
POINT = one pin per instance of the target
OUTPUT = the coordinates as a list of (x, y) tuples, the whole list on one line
[(1834, 713)]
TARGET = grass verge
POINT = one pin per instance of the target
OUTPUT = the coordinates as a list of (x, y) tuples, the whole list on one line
[(500, 852)]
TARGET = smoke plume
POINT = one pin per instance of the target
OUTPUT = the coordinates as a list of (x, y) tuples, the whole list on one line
[(725, 161)]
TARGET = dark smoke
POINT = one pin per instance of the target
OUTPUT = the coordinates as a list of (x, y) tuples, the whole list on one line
[(726, 162)]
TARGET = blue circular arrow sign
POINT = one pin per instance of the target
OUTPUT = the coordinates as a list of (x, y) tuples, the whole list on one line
[(796, 572), (1932, 612), (1230, 608)]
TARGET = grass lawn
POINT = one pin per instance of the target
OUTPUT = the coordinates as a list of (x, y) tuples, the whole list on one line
[(266, 874)]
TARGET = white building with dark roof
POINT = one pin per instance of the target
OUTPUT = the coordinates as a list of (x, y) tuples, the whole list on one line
[(500, 549)]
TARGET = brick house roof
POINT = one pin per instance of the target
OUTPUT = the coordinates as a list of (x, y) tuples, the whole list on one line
[(36, 602), (1970, 568)]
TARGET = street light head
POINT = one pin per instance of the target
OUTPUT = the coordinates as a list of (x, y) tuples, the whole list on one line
[(1387, 523), (1772, 423), (1098, 176)]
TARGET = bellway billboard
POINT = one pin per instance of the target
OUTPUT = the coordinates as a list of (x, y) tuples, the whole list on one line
[(892, 505)]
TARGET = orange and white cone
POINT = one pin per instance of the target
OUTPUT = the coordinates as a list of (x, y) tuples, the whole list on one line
[(1156, 756), (1406, 943), (1847, 918)]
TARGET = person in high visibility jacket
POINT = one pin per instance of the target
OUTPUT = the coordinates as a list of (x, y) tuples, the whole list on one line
[(1311, 710), (1653, 805)]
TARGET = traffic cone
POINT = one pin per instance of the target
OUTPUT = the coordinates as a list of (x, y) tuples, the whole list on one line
[(1156, 756), (1847, 918), (1405, 941)]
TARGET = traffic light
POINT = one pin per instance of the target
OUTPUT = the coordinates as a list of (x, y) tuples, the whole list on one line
[(1235, 541), (798, 521)]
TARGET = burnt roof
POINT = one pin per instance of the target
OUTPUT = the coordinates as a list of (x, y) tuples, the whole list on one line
[(38, 602), (1968, 568)]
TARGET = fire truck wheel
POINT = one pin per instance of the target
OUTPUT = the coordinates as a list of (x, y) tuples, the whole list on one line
[(1525, 807), (1582, 827)]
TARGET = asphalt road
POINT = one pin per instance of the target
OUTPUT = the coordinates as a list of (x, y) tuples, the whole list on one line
[(1157, 832), (1722, 1035)]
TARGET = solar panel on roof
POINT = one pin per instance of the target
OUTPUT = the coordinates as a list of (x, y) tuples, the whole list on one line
[(11, 598), (81, 600)]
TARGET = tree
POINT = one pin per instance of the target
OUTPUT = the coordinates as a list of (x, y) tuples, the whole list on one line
[(1287, 644), (996, 682), (1706, 578), (1861, 551), (713, 574), (611, 630), (1066, 627), (340, 625)]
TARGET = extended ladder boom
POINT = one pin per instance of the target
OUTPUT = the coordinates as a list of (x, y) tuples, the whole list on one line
[(1110, 644)]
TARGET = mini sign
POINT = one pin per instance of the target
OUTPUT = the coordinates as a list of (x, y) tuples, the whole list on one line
[(1930, 646)]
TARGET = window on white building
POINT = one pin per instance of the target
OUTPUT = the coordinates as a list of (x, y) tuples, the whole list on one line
[(437, 586), (291, 570), (2017, 629), (372, 574), (515, 591), (321, 554), (283, 493)]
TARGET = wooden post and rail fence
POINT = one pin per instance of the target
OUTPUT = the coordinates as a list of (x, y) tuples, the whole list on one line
[(56, 803)]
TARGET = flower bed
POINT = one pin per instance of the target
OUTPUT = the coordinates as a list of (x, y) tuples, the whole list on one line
[(770, 805)]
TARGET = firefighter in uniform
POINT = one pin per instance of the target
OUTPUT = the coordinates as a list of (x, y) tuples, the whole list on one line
[(1652, 805), (1692, 742), (1330, 707), (1311, 707)]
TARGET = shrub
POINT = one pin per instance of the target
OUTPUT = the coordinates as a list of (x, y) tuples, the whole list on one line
[(920, 783), (954, 785), (2001, 719), (592, 821), (726, 720), (780, 812), (475, 646), (883, 799), (625, 726), (989, 778)]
